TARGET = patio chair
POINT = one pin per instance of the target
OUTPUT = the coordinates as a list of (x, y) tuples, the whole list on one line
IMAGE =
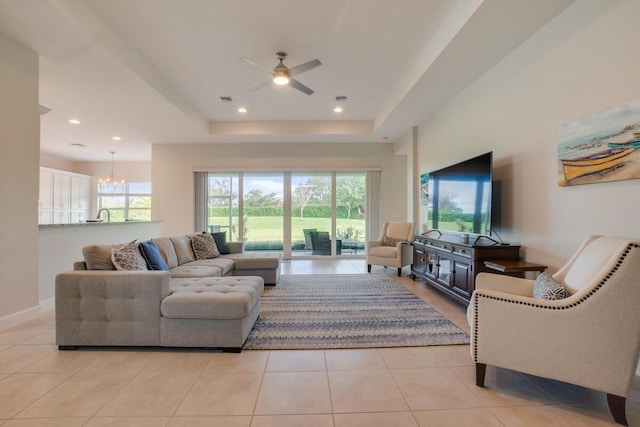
[(307, 238), (321, 243)]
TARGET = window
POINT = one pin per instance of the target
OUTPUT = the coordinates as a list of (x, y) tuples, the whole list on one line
[(126, 202)]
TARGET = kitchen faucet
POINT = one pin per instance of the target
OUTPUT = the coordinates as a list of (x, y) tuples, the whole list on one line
[(108, 214)]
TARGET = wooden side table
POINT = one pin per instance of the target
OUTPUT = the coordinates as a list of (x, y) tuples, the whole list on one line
[(514, 267)]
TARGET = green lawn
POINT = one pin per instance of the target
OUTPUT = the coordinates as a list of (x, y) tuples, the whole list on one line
[(269, 228)]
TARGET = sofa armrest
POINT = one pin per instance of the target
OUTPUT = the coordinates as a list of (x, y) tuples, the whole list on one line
[(109, 307), (235, 247), (503, 283)]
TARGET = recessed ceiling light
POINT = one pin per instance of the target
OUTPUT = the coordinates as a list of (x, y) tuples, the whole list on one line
[(116, 138), (74, 121), (338, 105), (242, 110)]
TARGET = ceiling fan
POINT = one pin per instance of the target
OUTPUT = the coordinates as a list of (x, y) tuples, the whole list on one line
[(282, 75)]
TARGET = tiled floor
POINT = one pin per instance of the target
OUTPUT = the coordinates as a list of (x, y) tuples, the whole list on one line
[(388, 387)]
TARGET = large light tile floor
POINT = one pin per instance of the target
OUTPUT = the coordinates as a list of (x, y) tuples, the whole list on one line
[(386, 387)]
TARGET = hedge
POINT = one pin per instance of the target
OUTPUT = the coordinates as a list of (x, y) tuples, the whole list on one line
[(310, 211)]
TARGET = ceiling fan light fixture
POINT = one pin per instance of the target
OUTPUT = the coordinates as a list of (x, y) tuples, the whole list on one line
[(280, 76)]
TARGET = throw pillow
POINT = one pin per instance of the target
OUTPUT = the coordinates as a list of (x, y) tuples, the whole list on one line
[(204, 247), (546, 287), (151, 254), (391, 241), (221, 242), (128, 258)]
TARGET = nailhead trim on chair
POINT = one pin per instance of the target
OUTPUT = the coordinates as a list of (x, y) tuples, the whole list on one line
[(565, 307)]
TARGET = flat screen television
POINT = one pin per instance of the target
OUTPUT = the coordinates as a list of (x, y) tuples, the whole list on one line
[(460, 197)]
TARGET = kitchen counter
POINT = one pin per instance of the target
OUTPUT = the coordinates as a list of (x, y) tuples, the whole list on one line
[(94, 223), (61, 244)]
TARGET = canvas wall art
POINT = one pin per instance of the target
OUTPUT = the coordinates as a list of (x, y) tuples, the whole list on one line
[(600, 147), (424, 189)]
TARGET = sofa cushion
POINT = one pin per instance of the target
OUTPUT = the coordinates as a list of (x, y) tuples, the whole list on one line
[(593, 258), (151, 254), (384, 251), (224, 264), (167, 251), (255, 260), (213, 298), (184, 251), (98, 257), (221, 242), (128, 258), (189, 270), (204, 247)]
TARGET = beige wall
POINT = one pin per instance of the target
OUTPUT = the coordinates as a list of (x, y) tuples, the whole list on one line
[(19, 166), (51, 238), (173, 166), (581, 63)]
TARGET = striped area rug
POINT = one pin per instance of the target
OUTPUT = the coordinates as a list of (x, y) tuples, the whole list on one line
[(347, 311)]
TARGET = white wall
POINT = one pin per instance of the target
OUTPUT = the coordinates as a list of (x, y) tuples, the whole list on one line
[(583, 62), (72, 238), (173, 166), (19, 158)]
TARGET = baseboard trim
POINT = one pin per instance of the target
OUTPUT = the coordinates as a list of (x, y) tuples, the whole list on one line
[(20, 317), (47, 305)]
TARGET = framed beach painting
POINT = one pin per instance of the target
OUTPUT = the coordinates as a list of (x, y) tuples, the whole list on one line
[(424, 189), (600, 147)]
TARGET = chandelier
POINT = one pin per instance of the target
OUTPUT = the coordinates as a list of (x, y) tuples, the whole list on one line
[(110, 185)]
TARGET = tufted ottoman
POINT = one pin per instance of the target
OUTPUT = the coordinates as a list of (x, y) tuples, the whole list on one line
[(210, 311)]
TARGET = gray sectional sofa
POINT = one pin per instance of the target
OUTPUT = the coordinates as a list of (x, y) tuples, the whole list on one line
[(196, 303)]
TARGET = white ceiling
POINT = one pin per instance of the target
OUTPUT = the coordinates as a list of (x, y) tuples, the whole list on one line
[(153, 71)]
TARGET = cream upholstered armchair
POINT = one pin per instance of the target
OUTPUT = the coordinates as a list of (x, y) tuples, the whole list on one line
[(591, 338), (391, 250)]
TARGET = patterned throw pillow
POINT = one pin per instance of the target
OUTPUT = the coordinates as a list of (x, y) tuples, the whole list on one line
[(204, 247), (546, 287), (391, 241), (128, 258)]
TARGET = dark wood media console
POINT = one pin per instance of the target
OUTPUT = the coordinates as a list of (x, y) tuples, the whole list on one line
[(451, 264)]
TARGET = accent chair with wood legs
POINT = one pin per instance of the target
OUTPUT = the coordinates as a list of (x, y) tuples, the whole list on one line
[(591, 338), (392, 248)]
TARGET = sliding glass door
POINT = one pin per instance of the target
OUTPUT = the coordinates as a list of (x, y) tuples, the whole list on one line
[(303, 214), (262, 211), (311, 214), (350, 211), (223, 204)]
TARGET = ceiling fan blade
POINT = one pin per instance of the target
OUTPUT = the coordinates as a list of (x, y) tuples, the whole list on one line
[(262, 67), (260, 86), (297, 85), (304, 67)]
